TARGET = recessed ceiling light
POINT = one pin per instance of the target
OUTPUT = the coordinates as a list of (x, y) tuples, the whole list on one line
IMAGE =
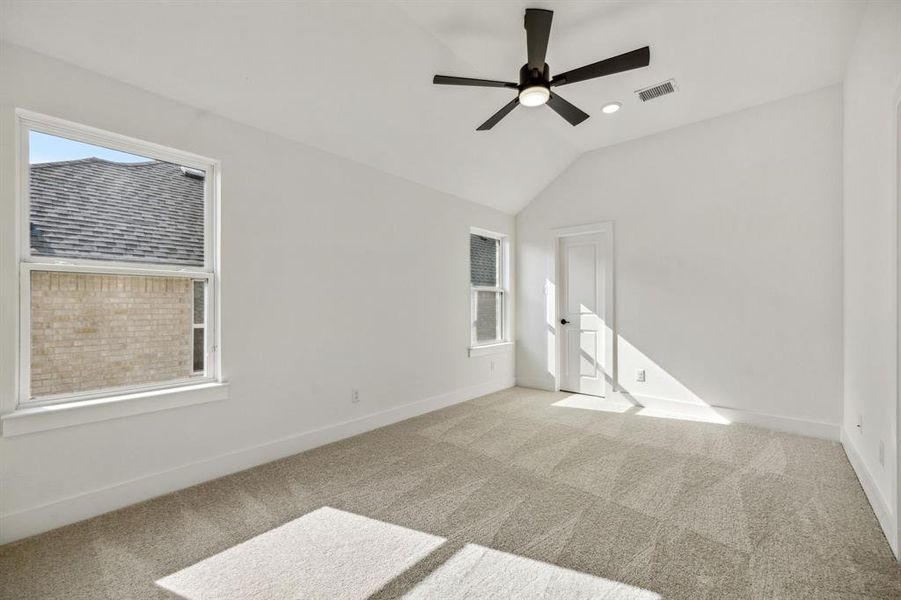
[(535, 95), (609, 109)]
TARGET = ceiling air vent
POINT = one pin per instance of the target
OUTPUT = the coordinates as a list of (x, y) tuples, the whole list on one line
[(655, 91)]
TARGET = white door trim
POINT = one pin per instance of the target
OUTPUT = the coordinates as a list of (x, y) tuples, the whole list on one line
[(555, 269), (895, 539)]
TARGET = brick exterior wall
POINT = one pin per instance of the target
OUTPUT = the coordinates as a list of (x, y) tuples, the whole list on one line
[(90, 332)]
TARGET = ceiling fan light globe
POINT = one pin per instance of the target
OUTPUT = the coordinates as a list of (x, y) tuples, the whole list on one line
[(535, 95), (609, 109)]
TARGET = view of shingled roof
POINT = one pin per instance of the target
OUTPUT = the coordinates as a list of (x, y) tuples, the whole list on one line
[(139, 212)]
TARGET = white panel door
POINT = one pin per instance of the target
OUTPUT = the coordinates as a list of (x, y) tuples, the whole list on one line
[(583, 264)]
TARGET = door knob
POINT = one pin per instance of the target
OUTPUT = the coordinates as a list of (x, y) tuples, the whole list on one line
[(564, 322)]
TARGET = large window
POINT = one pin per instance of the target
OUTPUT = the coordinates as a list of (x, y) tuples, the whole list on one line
[(118, 265), (488, 276)]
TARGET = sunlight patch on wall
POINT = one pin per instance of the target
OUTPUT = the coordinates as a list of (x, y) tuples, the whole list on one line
[(660, 395), (658, 382), (550, 293)]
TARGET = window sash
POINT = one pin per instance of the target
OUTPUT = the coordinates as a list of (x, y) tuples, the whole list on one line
[(500, 325), (27, 121), (211, 348), (498, 259)]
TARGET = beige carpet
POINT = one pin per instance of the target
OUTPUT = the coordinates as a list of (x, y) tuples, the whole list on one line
[(505, 496)]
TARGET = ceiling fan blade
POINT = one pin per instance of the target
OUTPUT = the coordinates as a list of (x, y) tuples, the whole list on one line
[(450, 80), (624, 62), (538, 31), (496, 117), (566, 110)]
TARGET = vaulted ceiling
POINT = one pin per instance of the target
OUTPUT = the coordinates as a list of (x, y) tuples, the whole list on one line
[(354, 78)]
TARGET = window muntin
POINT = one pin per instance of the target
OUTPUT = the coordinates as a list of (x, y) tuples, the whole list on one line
[(487, 276), (130, 287)]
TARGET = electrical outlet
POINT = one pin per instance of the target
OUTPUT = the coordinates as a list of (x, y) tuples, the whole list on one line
[(355, 396), (881, 453), (639, 375)]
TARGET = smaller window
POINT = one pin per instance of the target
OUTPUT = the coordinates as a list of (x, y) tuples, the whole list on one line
[(487, 277)]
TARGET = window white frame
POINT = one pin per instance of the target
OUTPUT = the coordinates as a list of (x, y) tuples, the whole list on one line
[(503, 287), (26, 122)]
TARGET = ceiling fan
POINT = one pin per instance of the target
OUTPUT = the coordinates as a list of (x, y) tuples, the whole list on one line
[(535, 81)]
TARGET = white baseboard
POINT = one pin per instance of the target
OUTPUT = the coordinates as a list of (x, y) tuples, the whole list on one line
[(817, 429), (884, 514), (18, 525), (827, 431), (535, 383)]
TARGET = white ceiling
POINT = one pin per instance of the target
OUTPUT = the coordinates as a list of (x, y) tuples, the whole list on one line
[(354, 78)]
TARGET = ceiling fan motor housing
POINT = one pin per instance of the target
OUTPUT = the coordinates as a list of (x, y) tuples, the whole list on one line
[(531, 77)]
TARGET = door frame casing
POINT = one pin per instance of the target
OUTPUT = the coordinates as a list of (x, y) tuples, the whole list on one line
[(556, 269), (897, 440)]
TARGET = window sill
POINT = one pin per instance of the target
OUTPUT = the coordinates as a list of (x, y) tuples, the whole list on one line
[(501, 348), (42, 418)]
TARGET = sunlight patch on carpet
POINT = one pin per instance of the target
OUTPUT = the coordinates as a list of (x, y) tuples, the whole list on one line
[(327, 553), (616, 404), (479, 572)]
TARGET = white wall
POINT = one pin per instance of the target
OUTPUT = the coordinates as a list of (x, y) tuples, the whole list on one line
[(872, 93), (334, 276), (728, 260)]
